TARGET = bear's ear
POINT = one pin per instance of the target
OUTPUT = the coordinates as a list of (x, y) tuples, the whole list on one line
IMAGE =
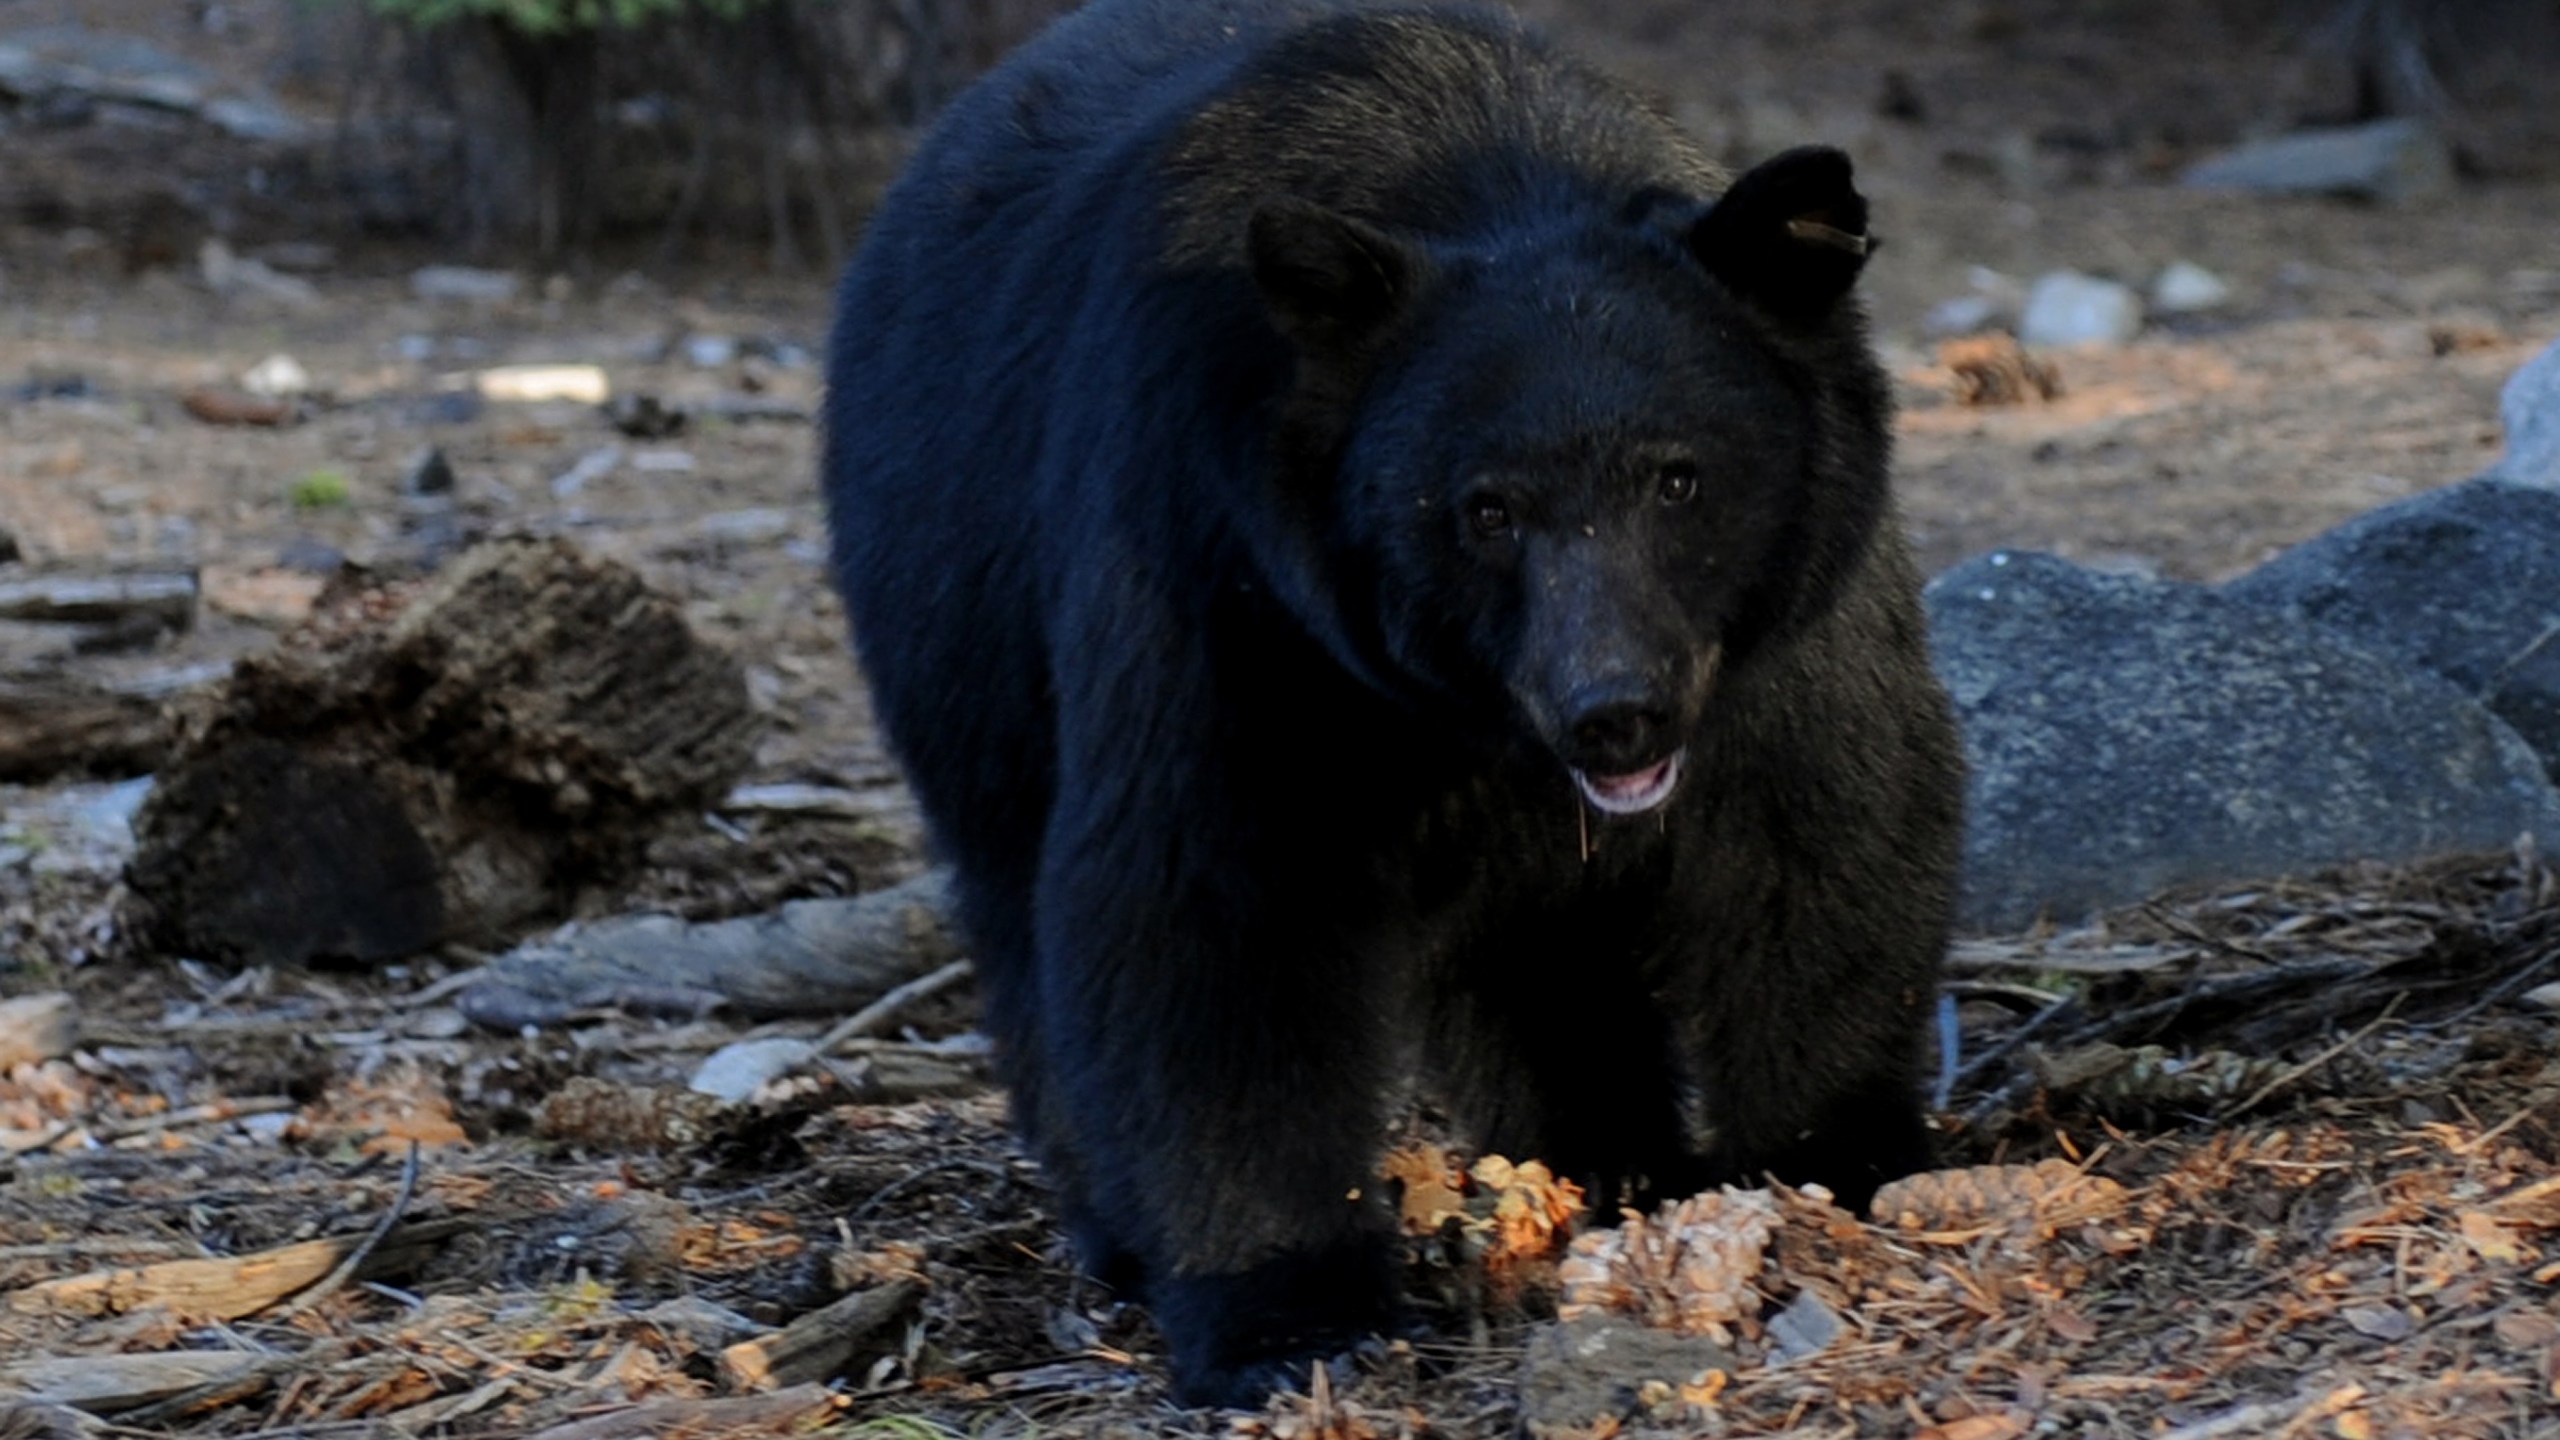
[(1790, 235), (1329, 279)]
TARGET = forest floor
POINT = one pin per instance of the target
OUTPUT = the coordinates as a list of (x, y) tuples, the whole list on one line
[(2313, 1125)]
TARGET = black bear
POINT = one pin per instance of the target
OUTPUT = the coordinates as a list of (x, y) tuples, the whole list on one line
[(1376, 557)]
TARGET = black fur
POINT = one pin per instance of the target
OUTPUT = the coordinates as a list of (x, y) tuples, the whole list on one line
[(1271, 448)]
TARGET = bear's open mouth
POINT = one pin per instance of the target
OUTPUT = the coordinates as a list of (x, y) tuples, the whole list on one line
[(1634, 793)]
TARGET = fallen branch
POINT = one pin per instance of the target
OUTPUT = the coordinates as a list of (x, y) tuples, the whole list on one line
[(164, 598), (783, 1411), (820, 1345), (346, 1269), (228, 1289), (57, 725), (877, 1015), (811, 957), (105, 1384)]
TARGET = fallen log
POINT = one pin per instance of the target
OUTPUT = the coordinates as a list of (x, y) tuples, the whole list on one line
[(811, 957), (166, 598), (452, 761), (822, 1344), (105, 1384), (59, 725)]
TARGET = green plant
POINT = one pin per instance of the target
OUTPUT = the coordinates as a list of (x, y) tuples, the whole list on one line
[(320, 490)]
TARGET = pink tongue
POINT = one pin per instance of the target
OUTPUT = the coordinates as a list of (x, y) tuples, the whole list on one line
[(1630, 794), (1630, 785)]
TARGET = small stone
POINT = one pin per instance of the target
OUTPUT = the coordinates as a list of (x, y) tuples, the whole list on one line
[(465, 284), (746, 527), (735, 1072), (2378, 1322), (311, 557), (710, 352), (2069, 308), (533, 384), (427, 473), (1805, 1327), (448, 407), (299, 256), (1964, 315), (592, 466), (56, 385), (277, 375), (237, 277), (645, 417), (2185, 288)]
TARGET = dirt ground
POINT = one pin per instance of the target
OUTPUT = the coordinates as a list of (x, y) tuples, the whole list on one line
[(2321, 1202)]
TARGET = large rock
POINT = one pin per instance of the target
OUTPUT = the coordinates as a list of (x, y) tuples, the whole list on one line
[(2127, 735), (2464, 581), (2394, 161), (2530, 406), (46, 62)]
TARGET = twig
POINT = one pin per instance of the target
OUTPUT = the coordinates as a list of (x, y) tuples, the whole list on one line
[(345, 1270), (2189, 930), (2008, 1044), (2010, 1092), (2230, 1421), (2314, 1063), (212, 1113), (2222, 990), (212, 1393), (881, 1011), (909, 1181), (2515, 983)]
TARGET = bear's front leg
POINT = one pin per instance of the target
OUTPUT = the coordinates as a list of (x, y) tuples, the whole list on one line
[(1222, 1045)]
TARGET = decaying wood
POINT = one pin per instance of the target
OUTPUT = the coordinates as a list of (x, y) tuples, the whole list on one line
[(454, 762), (105, 1384), (166, 598), (780, 1412), (229, 1288), (811, 957), (820, 1345), (37, 1028), (57, 725)]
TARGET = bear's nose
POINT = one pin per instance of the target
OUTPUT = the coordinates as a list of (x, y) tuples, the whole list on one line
[(1617, 727)]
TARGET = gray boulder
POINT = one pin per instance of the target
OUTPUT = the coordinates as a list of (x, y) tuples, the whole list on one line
[(2394, 161), (2127, 735), (2464, 581), (2530, 408)]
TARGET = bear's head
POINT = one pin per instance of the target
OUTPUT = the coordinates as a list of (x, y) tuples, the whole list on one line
[(1579, 466)]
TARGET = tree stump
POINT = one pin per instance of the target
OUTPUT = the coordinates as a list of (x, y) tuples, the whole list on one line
[(454, 761)]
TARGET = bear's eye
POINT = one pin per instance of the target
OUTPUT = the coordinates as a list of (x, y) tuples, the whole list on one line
[(1489, 515), (1678, 483)]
